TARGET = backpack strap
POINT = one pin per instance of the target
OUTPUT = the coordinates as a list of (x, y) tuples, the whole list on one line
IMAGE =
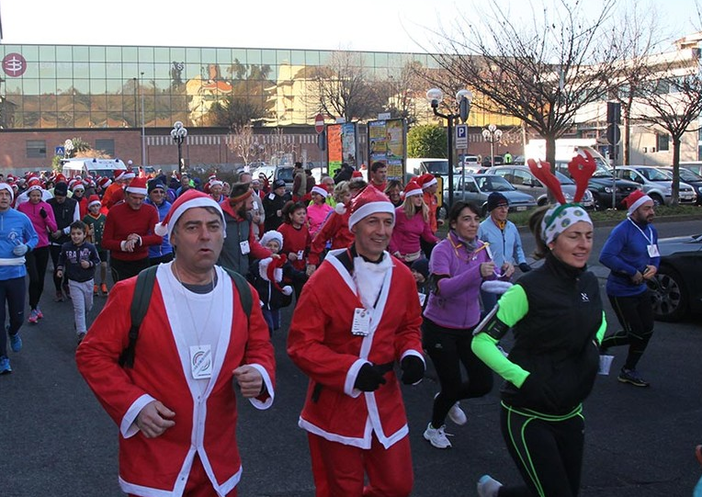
[(140, 304), (142, 298)]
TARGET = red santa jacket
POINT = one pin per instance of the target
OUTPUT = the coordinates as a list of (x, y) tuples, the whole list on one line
[(336, 229), (320, 343), (148, 466)]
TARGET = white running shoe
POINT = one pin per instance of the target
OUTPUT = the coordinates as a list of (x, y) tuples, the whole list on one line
[(488, 486), (437, 437), (457, 415)]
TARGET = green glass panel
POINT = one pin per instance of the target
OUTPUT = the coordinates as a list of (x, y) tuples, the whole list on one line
[(240, 55), (97, 70), (162, 55), (114, 85), (64, 53), (47, 53), (81, 54), (30, 52), (297, 57), (224, 55), (177, 54), (146, 54), (64, 70), (113, 70), (47, 70), (81, 70), (63, 85), (268, 57), (253, 56), (130, 54), (97, 54), (113, 54), (130, 70), (30, 86), (192, 55), (209, 55), (98, 86), (47, 85)]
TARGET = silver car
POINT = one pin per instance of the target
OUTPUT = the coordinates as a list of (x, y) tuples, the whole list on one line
[(656, 184), (524, 180), (476, 188)]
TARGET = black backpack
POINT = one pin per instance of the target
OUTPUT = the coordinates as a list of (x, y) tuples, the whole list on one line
[(142, 298)]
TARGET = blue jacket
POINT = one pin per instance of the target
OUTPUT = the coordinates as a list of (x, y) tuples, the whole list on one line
[(165, 247), (505, 245), (15, 228), (624, 253)]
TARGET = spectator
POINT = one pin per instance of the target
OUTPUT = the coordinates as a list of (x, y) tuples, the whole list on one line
[(394, 192), (273, 205), (378, 176)]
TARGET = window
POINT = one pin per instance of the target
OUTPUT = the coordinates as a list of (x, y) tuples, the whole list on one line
[(106, 145), (36, 149), (663, 143)]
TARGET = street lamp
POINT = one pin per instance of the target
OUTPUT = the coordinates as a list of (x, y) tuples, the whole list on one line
[(463, 101), (178, 133), (493, 135)]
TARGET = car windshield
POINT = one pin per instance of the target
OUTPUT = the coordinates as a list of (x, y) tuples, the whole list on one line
[(687, 175), (439, 167), (493, 183), (655, 174), (563, 179), (602, 171), (285, 173)]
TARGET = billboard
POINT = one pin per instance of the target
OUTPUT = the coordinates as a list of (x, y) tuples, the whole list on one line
[(341, 146), (387, 143)]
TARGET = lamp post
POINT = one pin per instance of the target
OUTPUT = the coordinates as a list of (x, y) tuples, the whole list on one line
[(463, 101), (493, 135), (178, 133)]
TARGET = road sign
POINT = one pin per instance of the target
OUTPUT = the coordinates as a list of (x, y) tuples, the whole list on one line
[(319, 123), (60, 151), (461, 136)]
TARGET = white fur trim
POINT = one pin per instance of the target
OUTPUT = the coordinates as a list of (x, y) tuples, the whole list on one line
[(638, 204), (287, 290), (371, 208), (138, 191), (263, 267), (340, 208), (5, 186), (414, 192), (496, 286), (162, 229), (320, 191), (429, 183)]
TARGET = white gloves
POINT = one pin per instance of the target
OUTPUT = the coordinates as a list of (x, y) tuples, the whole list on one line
[(20, 249)]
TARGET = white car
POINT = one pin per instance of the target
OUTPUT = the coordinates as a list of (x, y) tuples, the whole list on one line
[(656, 184)]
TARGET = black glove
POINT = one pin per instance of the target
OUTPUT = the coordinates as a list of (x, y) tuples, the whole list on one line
[(369, 378), (43, 213), (412, 369), (524, 267)]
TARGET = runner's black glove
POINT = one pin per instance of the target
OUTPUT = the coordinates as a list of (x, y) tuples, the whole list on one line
[(412, 370), (43, 213), (369, 378), (524, 267)]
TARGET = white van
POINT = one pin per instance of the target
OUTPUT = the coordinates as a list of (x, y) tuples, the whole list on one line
[(93, 167)]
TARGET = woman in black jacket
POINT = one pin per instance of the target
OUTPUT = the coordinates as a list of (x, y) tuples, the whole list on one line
[(558, 321)]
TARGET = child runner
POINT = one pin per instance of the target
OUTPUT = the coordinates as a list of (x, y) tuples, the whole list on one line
[(95, 222), (79, 259), (296, 237)]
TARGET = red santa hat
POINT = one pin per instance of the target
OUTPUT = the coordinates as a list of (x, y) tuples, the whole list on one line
[(78, 185), (33, 180), (60, 178), (138, 186), (320, 191), (189, 200), (427, 180), (357, 174), (93, 200), (412, 188), (34, 187), (369, 201), (635, 200), (271, 269), (104, 182)]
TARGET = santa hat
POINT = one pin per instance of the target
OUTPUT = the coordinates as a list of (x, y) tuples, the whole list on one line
[(34, 187), (272, 235), (635, 200), (271, 269), (427, 180), (60, 178), (93, 200), (104, 182), (216, 182), (357, 174), (123, 174), (189, 200), (320, 191), (78, 185), (412, 188), (138, 186), (33, 180), (5, 186), (370, 201)]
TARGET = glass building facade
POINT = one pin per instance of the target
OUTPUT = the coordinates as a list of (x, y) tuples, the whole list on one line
[(65, 86)]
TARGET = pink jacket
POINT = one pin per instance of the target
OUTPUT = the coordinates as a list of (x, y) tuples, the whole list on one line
[(407, 232), (33, 212), (317, 214)]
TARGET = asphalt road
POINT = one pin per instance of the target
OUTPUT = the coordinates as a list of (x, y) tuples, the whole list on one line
[(56, 440)]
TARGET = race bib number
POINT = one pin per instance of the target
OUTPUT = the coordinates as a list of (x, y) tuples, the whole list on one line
[(201, 362), (361, 322)]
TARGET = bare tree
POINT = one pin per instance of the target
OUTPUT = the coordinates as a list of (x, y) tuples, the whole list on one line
[(541, 72), (404, 90), (245, 143), (671, 98), (345, 88)]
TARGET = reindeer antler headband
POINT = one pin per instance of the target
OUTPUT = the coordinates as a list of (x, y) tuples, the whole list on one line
[(562, 215)]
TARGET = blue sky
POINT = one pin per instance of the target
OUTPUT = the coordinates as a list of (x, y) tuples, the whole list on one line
[(383, 25)]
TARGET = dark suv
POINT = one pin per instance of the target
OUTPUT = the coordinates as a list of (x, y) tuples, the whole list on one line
[(601, 184)]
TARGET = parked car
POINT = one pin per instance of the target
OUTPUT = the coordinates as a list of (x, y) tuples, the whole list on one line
[(657, 184), (286, 174), (476, 188), (676, 288), (601, 184), (691, 178), (695, 167), (499, 160), (524, 180)]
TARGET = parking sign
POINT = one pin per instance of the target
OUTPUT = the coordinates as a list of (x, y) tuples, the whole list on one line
[(462, 136)]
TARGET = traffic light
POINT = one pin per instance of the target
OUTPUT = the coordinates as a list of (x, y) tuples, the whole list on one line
[(614, 112)]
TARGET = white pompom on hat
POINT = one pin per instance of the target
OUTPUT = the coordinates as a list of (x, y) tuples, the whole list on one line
[(370, 201), (189, 200)]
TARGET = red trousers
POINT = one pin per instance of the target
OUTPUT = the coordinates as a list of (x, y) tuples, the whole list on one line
[(198, 484), (339, 469)]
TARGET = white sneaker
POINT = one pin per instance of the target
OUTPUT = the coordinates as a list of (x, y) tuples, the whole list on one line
[(488, 486), (457, 415), (437, 437)]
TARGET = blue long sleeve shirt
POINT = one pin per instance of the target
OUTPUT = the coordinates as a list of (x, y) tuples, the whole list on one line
[(625, 252), (505, 245), (165, 247), (15, 229)]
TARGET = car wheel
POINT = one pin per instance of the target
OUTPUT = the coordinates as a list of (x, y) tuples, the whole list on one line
[(668, 295), (657, 200), (596, 204)]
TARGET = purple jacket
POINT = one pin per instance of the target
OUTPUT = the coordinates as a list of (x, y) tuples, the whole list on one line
[(456, 302)]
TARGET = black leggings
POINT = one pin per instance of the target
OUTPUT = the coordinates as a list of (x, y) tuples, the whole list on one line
[(121, 270), (548, 452), (448, 349), (635, 314), (55, 251), (36, 262), (12, 291)]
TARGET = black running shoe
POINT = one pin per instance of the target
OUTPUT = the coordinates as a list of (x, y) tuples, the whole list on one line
[(632, 377)]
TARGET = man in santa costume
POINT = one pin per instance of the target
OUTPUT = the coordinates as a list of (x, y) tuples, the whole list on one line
[(115, 191), (176, 406), (354, 414)]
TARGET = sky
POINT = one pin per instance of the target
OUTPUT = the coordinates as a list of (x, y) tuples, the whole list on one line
[(373, 25)]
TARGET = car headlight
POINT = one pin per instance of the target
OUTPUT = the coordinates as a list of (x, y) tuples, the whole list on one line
[(568, 197), (608, 189)]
